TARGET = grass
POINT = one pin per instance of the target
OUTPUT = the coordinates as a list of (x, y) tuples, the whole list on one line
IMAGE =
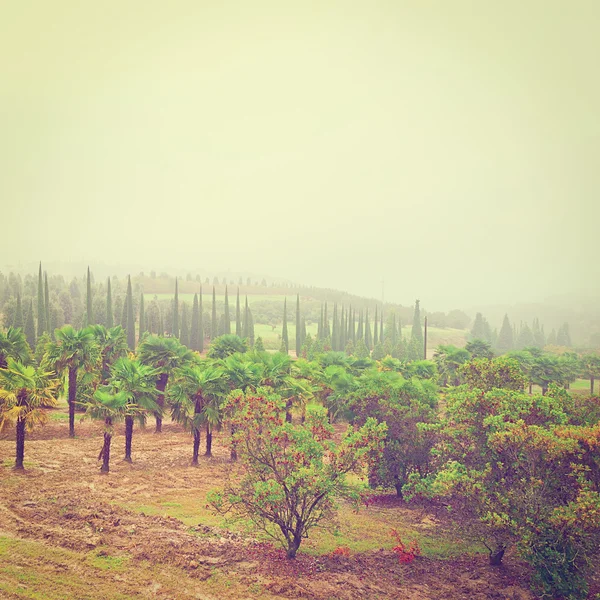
[(364, 530), (99, 559)]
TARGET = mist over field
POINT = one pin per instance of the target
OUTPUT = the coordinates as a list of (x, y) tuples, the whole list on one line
[(448, 148), (299, 299)]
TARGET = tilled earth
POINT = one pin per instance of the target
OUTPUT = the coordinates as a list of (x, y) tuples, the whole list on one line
[(66, 531)]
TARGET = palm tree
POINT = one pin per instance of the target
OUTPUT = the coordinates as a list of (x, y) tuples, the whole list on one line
[(336, 383), (24, 392), (164, 355), (480, 349), (448, 360), (242, 374), (73, 350), (13, 344), (138, 382), (110, 408), (195, 397), (112, 344), (590, 368)]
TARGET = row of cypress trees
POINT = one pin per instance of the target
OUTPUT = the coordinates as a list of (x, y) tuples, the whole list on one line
[(345, 328)]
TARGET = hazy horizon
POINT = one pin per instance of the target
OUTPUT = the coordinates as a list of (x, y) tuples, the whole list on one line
[(451, 149)]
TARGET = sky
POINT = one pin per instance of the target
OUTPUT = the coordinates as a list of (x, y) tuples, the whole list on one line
[(451, 149)]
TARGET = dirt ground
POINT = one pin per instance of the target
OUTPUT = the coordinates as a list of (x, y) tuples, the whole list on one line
[(66, 531)]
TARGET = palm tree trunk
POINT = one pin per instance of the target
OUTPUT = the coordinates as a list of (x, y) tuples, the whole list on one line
[(208, 441), (233, 455), (106, 447), (288, 411), (196, 446), (592, 385), (72, 397), (20, 444), (161, 384), (128, 437)]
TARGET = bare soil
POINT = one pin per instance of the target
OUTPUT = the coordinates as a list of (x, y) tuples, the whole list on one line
[(67, 531)]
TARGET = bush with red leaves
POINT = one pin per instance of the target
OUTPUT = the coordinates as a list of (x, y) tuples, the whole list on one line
[(406, 554)]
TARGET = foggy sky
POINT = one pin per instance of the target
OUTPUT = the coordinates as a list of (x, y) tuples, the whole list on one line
[(450, 147)]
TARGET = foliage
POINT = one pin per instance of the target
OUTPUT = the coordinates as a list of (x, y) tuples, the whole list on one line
[(290, 475), (226, 345), (25, 391), (512, 466), (406, 554), (404, 405), (486, 374)]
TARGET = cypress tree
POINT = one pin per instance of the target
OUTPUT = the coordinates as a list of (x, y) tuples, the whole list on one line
[(142, 317), (342, 330), (350, 333), (47, 302), (175, 331), (563, 338), (251, 327), (478, 331), (334, 329), (238, 315), (375, 332), (360, 330), (109, 306), (246, 328), (195, 331), (200, 323), (284, 333), (417, 331), (89, 305), (505, 337), (326, 330), (124, 315), (226, 315), (130, 316), (368, 338), (298, 327), (381, 326), (353, 327), (320, 324), (214, 325), (30, 326), (552, 338), (185, 331), (41, 309), (525, 338), (19, 321), (394, 332)]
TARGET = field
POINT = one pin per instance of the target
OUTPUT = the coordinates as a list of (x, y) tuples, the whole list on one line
[(144, 530)]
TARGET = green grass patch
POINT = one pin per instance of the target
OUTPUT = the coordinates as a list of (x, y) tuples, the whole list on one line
[(100, 559)]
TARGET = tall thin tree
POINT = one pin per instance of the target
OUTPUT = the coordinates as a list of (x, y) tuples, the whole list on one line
[(41, 309), (284, 332), (30, 326), (130, 316), (226, 314), (142, 319), (89, 300), (109, 306), (47, 302), (200, 322), (195, 329), (214, 324), (19, 320), (298, 326), (176, 312), (238, 315)]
